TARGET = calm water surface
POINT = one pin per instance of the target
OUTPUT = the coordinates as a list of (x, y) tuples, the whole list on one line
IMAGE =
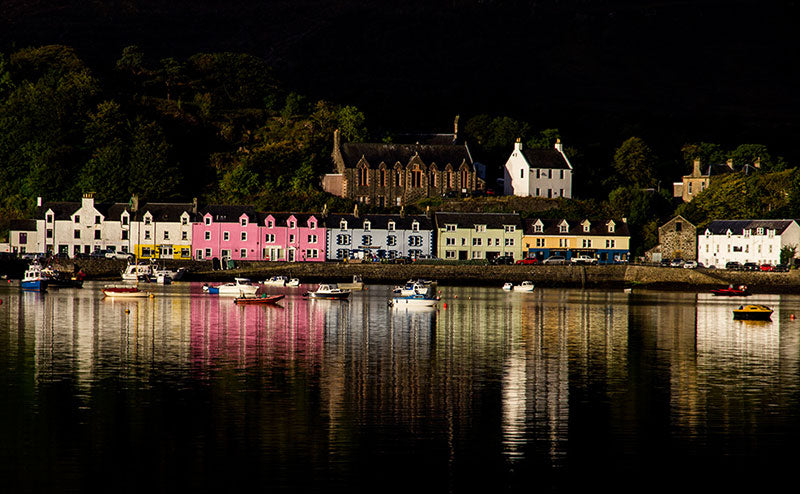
[(558, 390)]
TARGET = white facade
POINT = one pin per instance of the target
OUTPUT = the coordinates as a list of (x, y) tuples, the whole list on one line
[(163, 231), (538, 173), (758, 241), (84, 231)]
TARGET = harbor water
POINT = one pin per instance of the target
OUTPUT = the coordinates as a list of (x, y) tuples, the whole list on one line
[(555, 391)]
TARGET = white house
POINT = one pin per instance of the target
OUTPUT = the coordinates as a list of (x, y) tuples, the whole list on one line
[(758, 241), (538, 172)]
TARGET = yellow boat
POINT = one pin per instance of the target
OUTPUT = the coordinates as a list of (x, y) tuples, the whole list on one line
[(752, 313)]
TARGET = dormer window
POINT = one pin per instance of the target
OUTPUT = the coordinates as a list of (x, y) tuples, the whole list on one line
[(243, 222), (480, 228), (50, 218), (367, 225), (207, 220), (611, 228), (586, 227), (270, 224), (343, 225), (312, 225), (184, 220), (509, 228), (563, 228), (147, 220), (759, 231), (390, 227), (415, 226)]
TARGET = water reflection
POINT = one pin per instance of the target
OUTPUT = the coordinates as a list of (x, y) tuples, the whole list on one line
[(317, 394)]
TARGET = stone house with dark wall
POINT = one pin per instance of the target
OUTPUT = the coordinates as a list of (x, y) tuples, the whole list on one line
[(398, 174), (677, 239)]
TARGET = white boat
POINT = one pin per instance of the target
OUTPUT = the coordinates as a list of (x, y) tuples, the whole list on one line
[(276, 281), (525, 286), (124, 291), (134, 272), (293, 282), (356, 284), (413, 301), (508, 287), (328, 292), (174, 274), (420, 287), (34, 279), (240, 287)]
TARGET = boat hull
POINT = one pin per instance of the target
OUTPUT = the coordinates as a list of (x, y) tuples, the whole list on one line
[(753, 313), (413, 302), (328, 296), (125, 293), (34, 285), (729, 293), (258, 300)]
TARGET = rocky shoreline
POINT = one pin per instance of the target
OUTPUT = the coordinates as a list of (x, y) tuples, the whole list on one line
[(612, 277)]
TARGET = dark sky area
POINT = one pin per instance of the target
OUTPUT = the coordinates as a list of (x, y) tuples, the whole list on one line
[(600, 70)]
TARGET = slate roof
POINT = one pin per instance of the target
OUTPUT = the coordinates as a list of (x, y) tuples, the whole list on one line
[(23, 225), (390, 154), (379, 221), (596, 227), (63, 210), (166, 211), (545, 158), (737, 227), (230, 214), (469, 220), (282, 218)]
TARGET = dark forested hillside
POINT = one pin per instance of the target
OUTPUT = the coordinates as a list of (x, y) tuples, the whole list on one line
[(672, 71)]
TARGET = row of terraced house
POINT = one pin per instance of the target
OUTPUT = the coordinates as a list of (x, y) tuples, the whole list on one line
[(186, 231)]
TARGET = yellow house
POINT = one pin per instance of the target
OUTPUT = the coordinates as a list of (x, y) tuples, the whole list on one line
[(607, 241)]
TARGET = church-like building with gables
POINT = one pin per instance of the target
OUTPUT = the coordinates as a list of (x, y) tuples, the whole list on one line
[(398, 174)]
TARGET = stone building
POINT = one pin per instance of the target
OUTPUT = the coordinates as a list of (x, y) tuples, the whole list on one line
[(399, 174), (677, 239), (700, 179)]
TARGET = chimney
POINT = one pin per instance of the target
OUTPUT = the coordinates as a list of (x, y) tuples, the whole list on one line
[(518, 145), (455, 129), (88, 200), (194, 205), (559, 147), (337, 139), (355, 211), (39, 202), (324, 210), (134, 203), (696, 171), (730, 163), (428, 212), (402, 211), (757, 163)]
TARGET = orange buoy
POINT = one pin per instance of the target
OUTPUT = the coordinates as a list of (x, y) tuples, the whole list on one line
[(445, 305), (791, 317)]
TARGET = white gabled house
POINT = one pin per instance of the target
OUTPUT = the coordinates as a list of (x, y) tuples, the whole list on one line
[(758, 241), (538, 172)]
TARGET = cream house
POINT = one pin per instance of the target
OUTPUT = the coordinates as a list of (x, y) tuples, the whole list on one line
[(538, 172)]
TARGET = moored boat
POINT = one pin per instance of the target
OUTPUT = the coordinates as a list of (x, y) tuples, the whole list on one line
[(62, 279), (276, 281), (294, 282), (240, 287), (356, 284), (124, 291), (34, 279), (752, 312), (173, 274), (413, 301), (525, 286), (262, 300), (328, 292), (731, 291), (135, 271), (508, 286)]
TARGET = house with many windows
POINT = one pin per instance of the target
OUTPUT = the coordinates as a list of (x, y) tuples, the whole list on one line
[(758, 241), (608, 241), (465, 236), (292, 237), (383, 236), (538, 172), (702, 177), (230, 232), (74, 228), (162, 230)]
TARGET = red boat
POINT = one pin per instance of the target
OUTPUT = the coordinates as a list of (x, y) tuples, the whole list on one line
[(262, 300), (739, 291)]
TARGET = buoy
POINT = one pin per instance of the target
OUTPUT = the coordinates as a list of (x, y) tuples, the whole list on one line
[(791, 317), (445, 305)]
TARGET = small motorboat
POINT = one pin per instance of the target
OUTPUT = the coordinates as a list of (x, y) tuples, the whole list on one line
[(240, 287), (411, 288), (413, 301), (731, 291), (263, 299), (276, 281), (328, 292), (752, 313), (508, 287), (294, 282), (124, 291), (525, 286), (356, 284), (135, 271), (34, 280)]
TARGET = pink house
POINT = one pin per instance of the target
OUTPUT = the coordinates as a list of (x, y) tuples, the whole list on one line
[(227, 232), (292, 237)]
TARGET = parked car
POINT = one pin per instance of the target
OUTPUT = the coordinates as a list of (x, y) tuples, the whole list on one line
[(750, 266), (767, 267), (733, 266), (676, 263), (665, 263), (781, 268), (111, 254), (555, 260), (583, 260), (690, 265), (528, 260), (502, 260)]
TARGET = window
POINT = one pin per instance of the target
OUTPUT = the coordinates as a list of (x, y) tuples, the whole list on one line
[(147, 234), (587, 243), (198, 253), (450, 241), (49, 218), (759, 231), (476, 242), (244, 236), (77, 218), (207, 235), (225, 253), (124, 234), (97, 220), (207, 220), (313, 225), (537, 228), (362, 176), (76, 234), (477, 254), (610, 244), (539, 242), (243, 253), (291, 238), (269, 238), (391, 240), (184, 220), (49, 233), (166, 235), (562, 228), (414, 241), (509, 242), (147, 220), (415, 227), (383, 177), (270, 224), (562, 174), (449, 254), (391, 226), (366, 240), (690, 188), (23, 238), (292, 224), (480, 228), (509, 228), (341, 254), (343, 225), (521, 173), (97, 234), (312, 239), (342, 239), (449, 228), (243, 221), (367, 226), (226, 236), (311, 253), (184, 235), (208, 252), (678, 226), (124, 221)]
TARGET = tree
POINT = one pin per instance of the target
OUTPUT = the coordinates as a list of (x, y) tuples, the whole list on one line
[(634, 163), (788, 252), (151, 174), (708, 153), (352, 124)]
